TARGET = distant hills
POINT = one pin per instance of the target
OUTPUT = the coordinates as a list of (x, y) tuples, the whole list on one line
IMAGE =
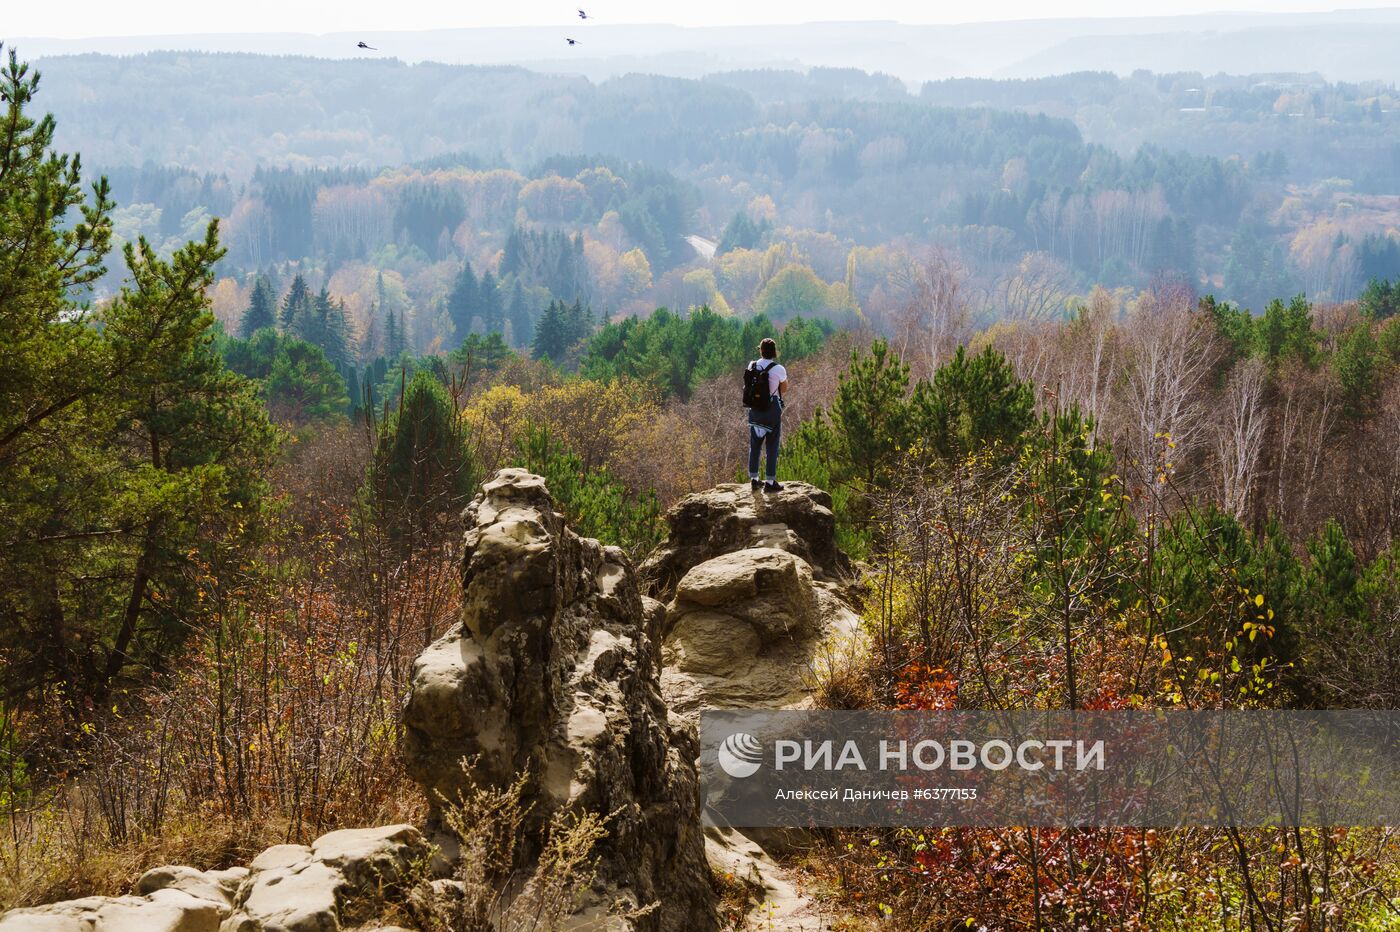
[(1349, 45)]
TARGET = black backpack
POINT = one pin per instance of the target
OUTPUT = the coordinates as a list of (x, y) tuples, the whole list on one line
[(756, 385)]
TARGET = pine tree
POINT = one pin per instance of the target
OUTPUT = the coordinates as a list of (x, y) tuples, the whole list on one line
[(121, 420), (303, 386), (261, 310), (551, 336), (421, 472), (972, 403), (489, 306), (463, 303), (1333, 576), (296, 306), (869, 415), (522, 328)]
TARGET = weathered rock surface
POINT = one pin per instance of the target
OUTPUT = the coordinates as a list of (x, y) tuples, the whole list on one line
[(754, 584), (756, 593), (730, 517), (341, 879), (776, 904), (553, 671)]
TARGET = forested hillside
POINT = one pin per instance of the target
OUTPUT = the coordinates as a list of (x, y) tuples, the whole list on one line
[(346, 171)]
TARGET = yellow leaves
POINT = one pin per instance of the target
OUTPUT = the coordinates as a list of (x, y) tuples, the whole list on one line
[(1259, 599)]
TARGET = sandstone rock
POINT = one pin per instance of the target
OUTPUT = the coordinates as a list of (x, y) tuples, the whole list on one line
[(730, 517), (747, 627), (299, 896), (337, 878), (759, 604), (776, 905), (215, 886), (769, 589), (371, 858), (553, 671), (175, 899)]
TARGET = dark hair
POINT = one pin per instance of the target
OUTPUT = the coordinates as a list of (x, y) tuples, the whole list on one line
[(768, 349)]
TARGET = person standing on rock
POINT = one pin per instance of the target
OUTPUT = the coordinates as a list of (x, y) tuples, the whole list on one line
[(765, 384)]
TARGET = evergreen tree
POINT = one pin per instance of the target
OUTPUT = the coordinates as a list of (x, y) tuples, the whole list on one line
[(869, 416), (489, 307), (1357, 363), (395, 343), (551, 334), (372, 341), (972, 403), (296, 306), (742, 233), (1333, 576), (324, 325), (522, 327), (578, 323), (261, 310), (1286, 330), (303, 386), (421, 473), (1381, 298), (463, 302), (125, 444)]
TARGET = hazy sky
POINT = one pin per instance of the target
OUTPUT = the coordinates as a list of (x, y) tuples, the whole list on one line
[(86, 18)]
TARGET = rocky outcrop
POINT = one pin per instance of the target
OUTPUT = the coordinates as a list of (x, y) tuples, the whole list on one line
[(756, 604), (338, 881), (755, 590), (727, 518), (553, 672)]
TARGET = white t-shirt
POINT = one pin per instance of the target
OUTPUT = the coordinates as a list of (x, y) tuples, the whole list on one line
[(777, 375)]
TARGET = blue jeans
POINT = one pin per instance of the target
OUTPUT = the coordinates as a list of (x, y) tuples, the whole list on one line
[(773, 420)]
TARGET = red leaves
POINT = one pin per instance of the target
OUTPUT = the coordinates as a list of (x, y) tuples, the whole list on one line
[(927, 689)]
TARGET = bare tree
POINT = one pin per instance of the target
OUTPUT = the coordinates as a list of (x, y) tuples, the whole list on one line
[(1087, 361), (1037, 289), (1308, 412), (1239, 434), (936, 318), (1161, 419)]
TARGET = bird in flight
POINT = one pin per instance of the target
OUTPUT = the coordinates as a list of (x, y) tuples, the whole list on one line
[(361, 45), (571, 41), (582, 15)]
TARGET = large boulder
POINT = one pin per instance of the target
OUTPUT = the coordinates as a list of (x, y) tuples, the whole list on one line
[(553, 673), (756, 598), (730, 517), (769, 589)]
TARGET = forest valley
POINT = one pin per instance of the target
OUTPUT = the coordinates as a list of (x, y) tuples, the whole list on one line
[(231, 504)]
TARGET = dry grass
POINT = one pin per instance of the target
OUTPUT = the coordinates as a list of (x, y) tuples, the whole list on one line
[(501, 883)]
